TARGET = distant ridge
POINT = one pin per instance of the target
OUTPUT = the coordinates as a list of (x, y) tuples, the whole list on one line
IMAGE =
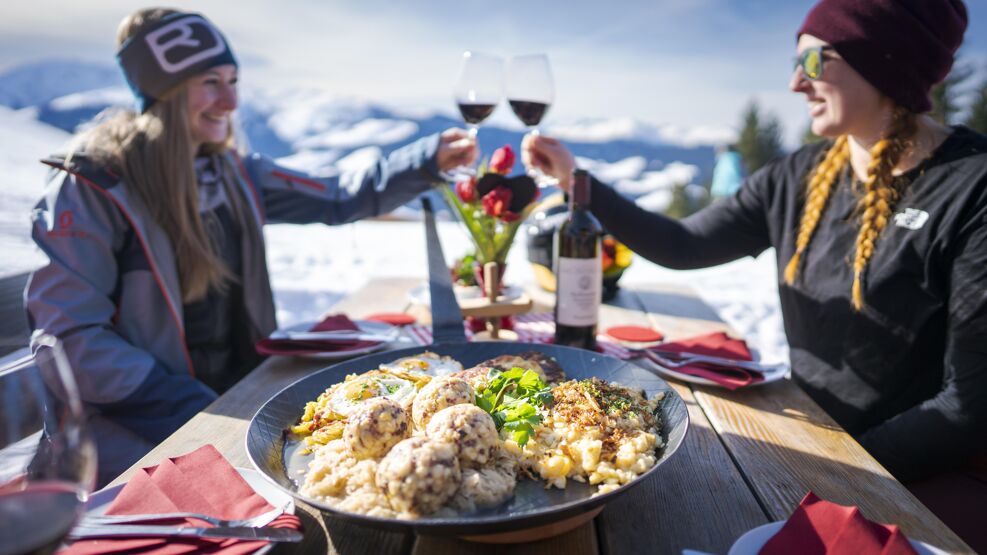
[(315, 128)]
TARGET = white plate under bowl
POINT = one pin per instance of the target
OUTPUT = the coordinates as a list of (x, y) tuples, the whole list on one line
[(368, 326), (752, 541), (770, 376), (420, 295), (100, 501)]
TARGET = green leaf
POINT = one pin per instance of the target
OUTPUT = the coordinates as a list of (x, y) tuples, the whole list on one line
[(530, 380), (485, 401), (522, 435), (521, 411)]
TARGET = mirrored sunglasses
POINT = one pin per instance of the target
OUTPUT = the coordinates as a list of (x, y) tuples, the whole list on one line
[(811, 61)]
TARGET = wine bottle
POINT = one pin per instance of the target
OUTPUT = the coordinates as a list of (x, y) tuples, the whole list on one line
[(578, 270)]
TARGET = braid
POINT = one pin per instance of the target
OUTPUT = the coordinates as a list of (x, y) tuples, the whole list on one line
[(817, 194), (880, 194)]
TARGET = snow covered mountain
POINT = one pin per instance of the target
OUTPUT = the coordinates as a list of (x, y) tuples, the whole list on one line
[(315, 127)]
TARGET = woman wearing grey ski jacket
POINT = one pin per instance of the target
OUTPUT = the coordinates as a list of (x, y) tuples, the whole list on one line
[(156, 280)]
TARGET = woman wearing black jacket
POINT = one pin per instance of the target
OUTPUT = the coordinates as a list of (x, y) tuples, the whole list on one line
[(880, 233)]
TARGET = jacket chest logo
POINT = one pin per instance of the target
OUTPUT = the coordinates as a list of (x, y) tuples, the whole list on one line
[(911, 218)]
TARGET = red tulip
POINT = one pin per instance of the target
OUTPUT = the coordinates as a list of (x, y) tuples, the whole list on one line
[(502, 160), (466, 190), (497, 201)]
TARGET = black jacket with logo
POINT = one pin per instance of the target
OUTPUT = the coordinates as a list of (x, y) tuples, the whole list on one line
[(907, 376)]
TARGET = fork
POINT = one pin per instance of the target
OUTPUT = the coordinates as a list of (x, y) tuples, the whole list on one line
[(253, 522)]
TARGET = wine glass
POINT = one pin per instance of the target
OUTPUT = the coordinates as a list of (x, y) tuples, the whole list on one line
[(47, 458), (530, 91), (479, 88)]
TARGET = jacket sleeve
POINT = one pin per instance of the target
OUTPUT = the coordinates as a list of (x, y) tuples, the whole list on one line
[(725, 231), (71, 297), (944, 431), (375, 187)]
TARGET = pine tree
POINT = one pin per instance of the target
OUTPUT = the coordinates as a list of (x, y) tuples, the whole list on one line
[(759, 142), (945, 104), (680, 206), (977, 120)]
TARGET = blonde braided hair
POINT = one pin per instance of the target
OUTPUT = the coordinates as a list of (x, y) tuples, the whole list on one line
[(815, 202), (881, 193)]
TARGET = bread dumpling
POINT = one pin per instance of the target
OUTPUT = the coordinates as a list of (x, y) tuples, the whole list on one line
[(439, 394), (374, 427), (467, 427), (419, 475)]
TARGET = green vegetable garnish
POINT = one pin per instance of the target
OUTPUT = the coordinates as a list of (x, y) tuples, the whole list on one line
[(512, 398)]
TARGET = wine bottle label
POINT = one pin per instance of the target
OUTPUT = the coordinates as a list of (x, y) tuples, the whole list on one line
[(579, 291)]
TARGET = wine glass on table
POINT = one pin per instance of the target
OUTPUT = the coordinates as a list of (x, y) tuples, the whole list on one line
[(479, 88), (47, 458), (530, 91)]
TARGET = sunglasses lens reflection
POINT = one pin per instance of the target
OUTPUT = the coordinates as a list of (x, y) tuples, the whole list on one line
[(812, 63)]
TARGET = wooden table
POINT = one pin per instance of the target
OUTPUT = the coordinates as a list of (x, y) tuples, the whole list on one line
[(748, 459)]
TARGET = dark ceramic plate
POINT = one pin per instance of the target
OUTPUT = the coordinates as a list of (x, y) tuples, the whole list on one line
[(532, 504)]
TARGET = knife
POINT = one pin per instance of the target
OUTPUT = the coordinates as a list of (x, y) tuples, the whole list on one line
[(142, 531), (335, 336)]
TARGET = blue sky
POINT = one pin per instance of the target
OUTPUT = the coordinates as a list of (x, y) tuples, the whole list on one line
[(689, 62)]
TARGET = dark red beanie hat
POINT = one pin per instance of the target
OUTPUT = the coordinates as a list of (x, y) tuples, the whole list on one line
[(902, 47)]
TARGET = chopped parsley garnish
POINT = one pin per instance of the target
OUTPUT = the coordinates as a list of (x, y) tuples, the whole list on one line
[(610, 400), (512, 399), (392, 387)]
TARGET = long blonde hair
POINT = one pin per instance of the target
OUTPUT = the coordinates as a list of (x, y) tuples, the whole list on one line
[(153, 153), (881, 192)]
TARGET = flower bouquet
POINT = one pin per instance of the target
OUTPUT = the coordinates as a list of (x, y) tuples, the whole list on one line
[(492, 207)]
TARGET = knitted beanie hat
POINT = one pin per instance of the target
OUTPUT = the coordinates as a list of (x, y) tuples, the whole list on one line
[(902, 47)]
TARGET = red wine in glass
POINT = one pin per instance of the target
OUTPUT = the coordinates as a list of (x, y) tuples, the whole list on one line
[(479, 87), (34, 520), (530, 113), (530, 91), (474, 114)]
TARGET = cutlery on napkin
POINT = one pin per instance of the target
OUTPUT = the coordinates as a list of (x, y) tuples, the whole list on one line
[(334, 323), (149, 531), (201, 482), (713, 345)]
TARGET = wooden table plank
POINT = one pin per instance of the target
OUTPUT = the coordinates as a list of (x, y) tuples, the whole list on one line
[(580, 541), (786, 445), (698, 486)]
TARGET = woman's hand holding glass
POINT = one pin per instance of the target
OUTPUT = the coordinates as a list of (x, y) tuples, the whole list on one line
[(549, 156), (457, 148)]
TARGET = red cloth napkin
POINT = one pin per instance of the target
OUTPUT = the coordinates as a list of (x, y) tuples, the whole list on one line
[(200, 482), (333, 322), (821, 527), (716, 344)]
